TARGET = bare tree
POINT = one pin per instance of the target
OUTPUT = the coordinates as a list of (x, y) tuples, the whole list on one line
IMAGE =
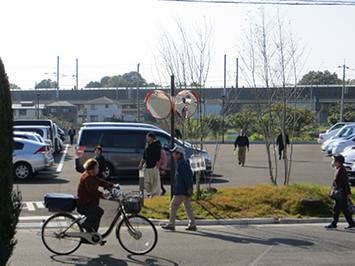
[(270, 57), (186, 53)]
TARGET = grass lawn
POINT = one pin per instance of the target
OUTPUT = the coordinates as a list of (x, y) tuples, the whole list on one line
[(262, 201)]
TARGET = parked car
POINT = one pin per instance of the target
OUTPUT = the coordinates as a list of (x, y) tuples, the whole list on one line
[(61, 134), (340, 145), (40, 122), (123, 147), (344, 132), (30, 157), (43, 131), (349, 156), (118, 124), (29, 135), (58, 143), (331, 131)]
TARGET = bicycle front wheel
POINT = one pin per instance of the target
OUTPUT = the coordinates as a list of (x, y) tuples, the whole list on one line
[(137, 234), (55, 234)]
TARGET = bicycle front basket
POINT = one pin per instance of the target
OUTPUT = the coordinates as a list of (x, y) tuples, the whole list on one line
[(132, 202)]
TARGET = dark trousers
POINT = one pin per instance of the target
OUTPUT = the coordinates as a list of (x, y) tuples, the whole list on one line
[(280, 152), (93, 213), (71, 139), (341, 205)]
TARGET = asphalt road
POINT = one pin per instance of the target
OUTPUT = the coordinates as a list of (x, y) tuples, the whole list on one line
[(277, 244)]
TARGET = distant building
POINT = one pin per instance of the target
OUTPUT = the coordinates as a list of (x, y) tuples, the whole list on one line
[(28, 110), (103, 109), (63, 109)]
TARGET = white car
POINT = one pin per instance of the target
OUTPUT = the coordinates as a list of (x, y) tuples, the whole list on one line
[(344, 132), (331, 132), (30, 157), (340, 145), (29, 135), (349, 156)]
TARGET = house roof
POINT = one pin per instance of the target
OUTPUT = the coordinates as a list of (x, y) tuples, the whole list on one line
[(61, 104), (102, 100)]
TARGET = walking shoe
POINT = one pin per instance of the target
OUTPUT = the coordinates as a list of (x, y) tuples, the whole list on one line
[(239, 163), (191, 228), (168, 227), (350, 227), (330, 227)]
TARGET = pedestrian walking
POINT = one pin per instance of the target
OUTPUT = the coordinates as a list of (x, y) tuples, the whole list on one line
[(183, 190), (151, 162), (280, 143), (162, 165), (102, 162), (341, 181), (242, 142), (71, 134)]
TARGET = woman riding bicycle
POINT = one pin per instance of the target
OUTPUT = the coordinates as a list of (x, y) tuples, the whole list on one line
[(88, 196)]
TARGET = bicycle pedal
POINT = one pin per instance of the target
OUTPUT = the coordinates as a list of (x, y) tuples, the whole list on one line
[(103, 242)]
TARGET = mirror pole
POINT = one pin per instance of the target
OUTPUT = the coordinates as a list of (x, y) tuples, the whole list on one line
[(172, 141)]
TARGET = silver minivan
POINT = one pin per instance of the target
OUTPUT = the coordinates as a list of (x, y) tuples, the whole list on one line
[(123, 147)]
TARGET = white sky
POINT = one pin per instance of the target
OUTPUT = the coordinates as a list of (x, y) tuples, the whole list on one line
[(110, 37)]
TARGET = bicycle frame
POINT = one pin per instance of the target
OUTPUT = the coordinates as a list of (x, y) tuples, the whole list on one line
[(121, 214)]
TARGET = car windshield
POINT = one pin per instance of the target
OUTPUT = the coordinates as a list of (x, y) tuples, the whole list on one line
[(350, 137)]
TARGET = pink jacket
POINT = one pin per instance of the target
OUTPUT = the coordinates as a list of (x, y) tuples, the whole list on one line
[(162, 161)]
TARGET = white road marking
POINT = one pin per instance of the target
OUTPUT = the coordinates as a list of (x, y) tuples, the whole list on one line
[(60, 165), (30, 206)]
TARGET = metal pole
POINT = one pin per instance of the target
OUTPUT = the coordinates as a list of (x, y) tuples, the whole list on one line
[(224, 96), (57, 95), (77, 74), (141, 184), (172, 141), (342, 96), (138, 93)]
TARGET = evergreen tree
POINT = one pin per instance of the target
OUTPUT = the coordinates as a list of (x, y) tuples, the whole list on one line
[(10, 206)]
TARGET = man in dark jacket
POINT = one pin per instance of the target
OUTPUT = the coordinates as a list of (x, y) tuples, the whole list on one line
[(151, 163), (183, 190), (242, 142), (280, 144), (71, 134)]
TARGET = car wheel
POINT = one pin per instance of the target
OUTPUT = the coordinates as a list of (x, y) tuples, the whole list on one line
[(22, 171), (109, 171)]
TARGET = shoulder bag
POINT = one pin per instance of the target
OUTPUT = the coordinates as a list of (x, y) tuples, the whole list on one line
[(336, 193)]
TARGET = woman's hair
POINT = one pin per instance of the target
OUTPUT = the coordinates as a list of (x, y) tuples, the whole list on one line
[(90, 164), (159, 143), (98, 147)]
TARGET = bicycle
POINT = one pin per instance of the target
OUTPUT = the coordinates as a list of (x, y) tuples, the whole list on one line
[(63, 234)]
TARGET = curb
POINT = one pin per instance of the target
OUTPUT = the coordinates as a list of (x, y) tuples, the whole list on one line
[(250, 221)]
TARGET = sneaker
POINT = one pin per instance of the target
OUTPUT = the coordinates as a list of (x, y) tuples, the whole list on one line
[(330, 227), (168, 227), (350, 227), (191, 228)]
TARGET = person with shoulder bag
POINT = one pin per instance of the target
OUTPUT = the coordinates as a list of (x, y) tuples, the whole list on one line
[(341, 182)]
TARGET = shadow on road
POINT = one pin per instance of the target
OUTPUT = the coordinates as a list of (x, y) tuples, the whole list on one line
[(107, 259)]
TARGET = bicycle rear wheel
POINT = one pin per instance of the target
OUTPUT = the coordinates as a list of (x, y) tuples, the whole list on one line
[(137, 234), (55, 234)]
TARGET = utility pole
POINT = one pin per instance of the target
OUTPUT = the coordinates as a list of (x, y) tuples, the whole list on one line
[(138, 92), (57, 95), (77, 74), (236, 73), (224, 95), (342, 93)]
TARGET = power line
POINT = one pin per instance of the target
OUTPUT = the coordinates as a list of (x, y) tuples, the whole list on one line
[(277, 2)]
